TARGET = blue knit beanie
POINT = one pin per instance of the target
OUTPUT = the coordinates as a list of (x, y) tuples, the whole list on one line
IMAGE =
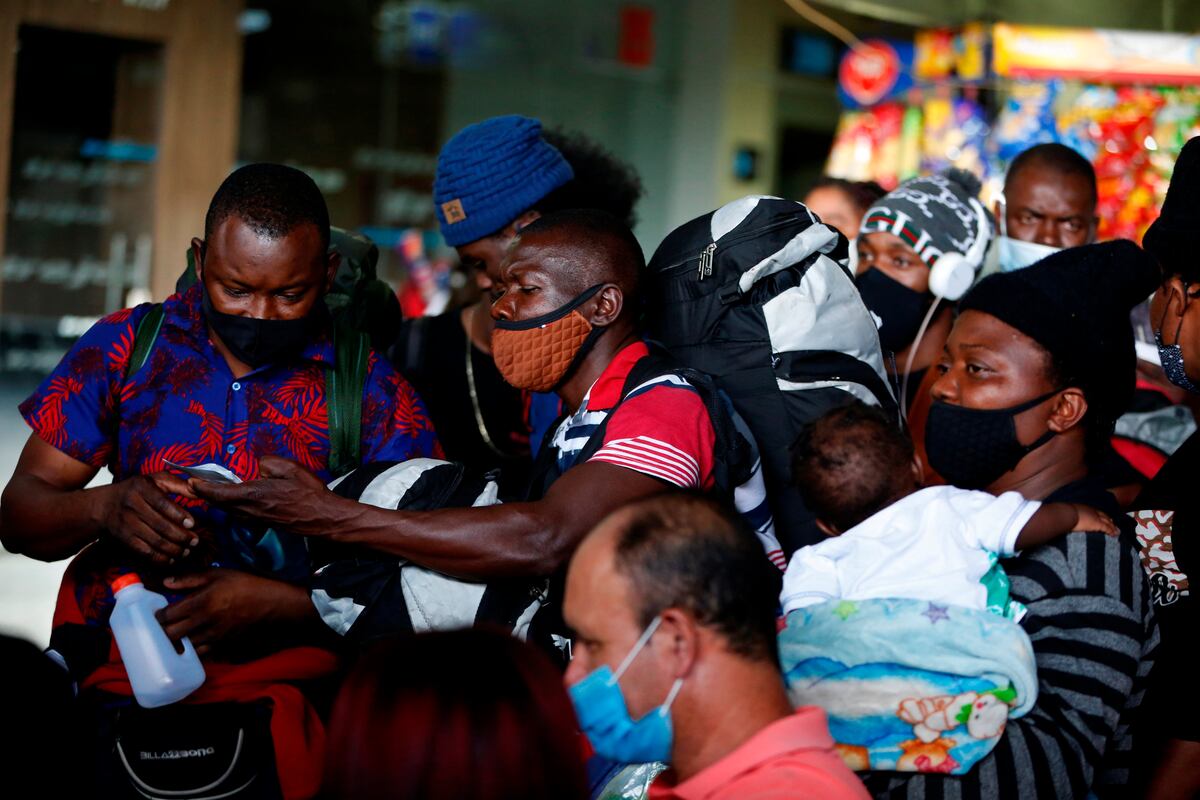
[(490, 173)]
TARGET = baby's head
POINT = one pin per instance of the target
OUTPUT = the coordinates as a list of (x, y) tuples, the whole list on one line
[(851, 463)]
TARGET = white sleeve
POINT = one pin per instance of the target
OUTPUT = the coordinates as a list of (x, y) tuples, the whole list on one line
[(992, 523), (811, 578)]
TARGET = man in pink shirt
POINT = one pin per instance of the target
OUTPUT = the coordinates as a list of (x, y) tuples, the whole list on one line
[(673, 607)]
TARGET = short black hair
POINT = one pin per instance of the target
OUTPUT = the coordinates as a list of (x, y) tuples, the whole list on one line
[(1059, 158), (850, 463), (862, 194), (684, 550), (619, 260), (1101, 416), (602, 181), (272, 199)]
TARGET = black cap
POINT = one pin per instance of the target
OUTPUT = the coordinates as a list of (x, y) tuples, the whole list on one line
[(1174, 238), (1076, 304)]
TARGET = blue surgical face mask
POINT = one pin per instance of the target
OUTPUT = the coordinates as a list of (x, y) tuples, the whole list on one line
[(1171, 355), (604, 717), (1014, 254)]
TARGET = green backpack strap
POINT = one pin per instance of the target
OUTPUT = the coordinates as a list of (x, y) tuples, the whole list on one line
[(344, 385), (343, 398), (143, 339)]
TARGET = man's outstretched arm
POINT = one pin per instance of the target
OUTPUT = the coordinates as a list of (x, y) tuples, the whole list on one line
[(510, 540)]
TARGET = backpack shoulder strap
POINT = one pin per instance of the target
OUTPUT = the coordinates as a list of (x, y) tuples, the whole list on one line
[(732, 453), (411, 346), (545, 465), (733, 457), (647, 368), (143, 339), (344, 384), (733, 450)]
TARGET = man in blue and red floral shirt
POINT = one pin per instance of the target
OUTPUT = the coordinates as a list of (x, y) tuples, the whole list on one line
[(236, 372)]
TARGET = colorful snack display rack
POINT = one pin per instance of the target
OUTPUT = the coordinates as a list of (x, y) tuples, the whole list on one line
[(1127, 101)]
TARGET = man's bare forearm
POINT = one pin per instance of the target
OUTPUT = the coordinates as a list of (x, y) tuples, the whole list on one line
[(293, 615), (45, 522), (517, 540), (509, 540)]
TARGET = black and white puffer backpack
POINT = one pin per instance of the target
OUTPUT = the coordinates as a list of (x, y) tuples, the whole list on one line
[(363, 595), (758, 295)]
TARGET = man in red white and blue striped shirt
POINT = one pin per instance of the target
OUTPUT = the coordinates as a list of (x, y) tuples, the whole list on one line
[(566, 319), (661, 429)]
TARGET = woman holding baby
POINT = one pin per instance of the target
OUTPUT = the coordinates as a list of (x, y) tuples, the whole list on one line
[(1037, 368)]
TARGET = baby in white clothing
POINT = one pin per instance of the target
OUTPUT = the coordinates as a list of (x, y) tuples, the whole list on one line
[(890, 538)]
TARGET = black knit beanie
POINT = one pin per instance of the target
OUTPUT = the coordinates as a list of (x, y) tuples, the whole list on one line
[(1174, 238), (1076, 304)]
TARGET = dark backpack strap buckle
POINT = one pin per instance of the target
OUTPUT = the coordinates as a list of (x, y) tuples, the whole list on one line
[(730, 293)]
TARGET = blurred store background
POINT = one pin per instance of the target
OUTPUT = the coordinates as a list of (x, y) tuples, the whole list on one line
[(119, 118)]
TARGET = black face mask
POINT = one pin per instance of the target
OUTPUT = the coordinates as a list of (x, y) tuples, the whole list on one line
[(972, 447), (262, 341), (900, 308)]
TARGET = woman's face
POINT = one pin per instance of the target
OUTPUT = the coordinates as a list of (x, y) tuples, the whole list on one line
[(1175, 310), (889, 254), (835, 209), (990, 365)]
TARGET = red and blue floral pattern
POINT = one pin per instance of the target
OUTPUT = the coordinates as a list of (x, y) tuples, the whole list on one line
[(184, 405)]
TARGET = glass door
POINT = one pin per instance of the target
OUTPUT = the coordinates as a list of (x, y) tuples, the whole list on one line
[(86, 120)]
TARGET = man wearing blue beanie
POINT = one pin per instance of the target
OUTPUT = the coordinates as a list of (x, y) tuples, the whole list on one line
[(491, 174), (494, 178)]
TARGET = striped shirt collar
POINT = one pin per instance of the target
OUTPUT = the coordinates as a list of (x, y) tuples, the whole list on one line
[(606, 391)]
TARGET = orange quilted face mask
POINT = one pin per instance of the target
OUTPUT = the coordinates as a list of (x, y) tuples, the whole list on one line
[(536, 354)]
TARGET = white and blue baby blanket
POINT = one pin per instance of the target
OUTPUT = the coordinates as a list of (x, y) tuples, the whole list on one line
[(909, 685)]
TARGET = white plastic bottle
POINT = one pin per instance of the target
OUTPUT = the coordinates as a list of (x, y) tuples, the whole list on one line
[(158, 674)]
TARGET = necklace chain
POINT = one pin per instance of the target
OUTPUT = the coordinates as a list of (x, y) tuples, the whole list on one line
[(479, 421)]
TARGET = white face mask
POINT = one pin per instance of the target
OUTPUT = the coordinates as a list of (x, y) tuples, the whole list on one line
[(1014, 254)]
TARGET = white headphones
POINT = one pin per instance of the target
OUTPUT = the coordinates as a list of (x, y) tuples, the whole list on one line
[(953, 273)]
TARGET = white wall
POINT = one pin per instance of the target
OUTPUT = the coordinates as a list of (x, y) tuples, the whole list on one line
[(663, 120)]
